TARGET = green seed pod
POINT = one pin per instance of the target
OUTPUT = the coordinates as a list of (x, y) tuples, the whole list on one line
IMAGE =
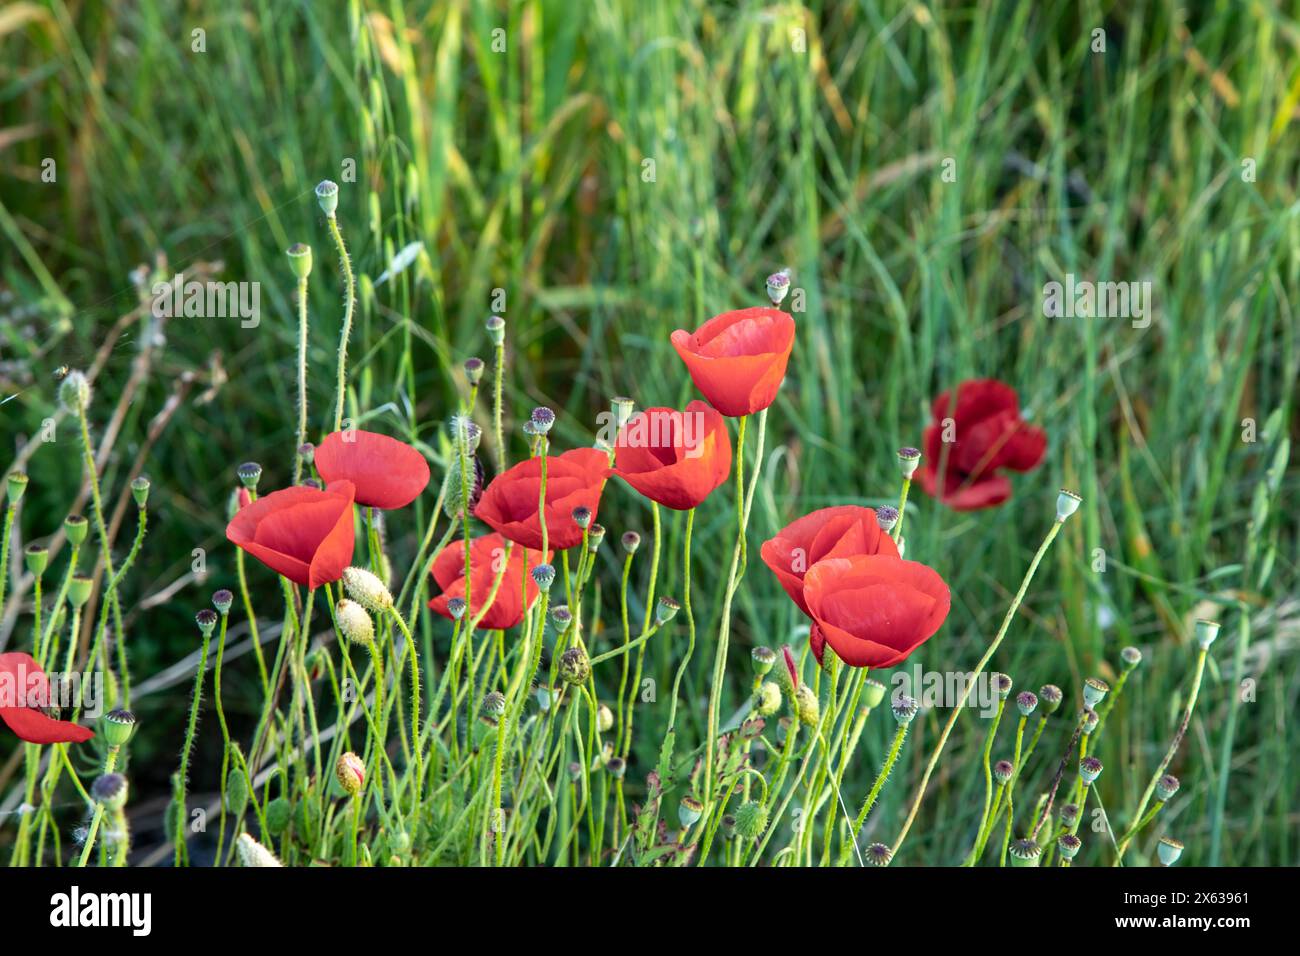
[(1166, 787), (17, 484), (110, 791), (1050, 695), (1067, 503), (327, 194), (908, 459), (1206, 632), (1002, 771), (769, 698), (1025, 852), (496, 329), (140, 491), (666, 610), (117, 727), (1094, 689), (873, 692), (878, 855), (300, 259), (1130, 657), (278, 814), (1069, 845), (250, 473), (222, 599), (689, 812), (75, 527), (79, 591), (631, 541), (1169, 851), (762, 658), (37, 558)]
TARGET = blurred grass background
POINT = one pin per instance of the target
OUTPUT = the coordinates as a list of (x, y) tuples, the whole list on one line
[(603, 173)]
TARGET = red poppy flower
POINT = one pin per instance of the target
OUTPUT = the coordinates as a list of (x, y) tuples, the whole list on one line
[(388, 473), (874, 610), (839, 532), (573, 480), (988, 434), (303, 533), (674, 458), (485, 556), (738, 359), (24, 689)]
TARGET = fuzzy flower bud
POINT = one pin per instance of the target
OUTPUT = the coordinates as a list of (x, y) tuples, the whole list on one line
[(769, 699), (74, 392), (575, 666), (604, 719), (751, 820), (806, 706), (365, 587), (252, 853), (354, 623), (351, 773)]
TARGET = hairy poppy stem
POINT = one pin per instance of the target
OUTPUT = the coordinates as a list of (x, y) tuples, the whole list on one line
[(970, 683), (886, 768), (110, 761), (195, 702), (302, 379), (349, 302)]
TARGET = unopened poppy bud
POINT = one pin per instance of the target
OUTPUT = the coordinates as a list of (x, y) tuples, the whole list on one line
[(762, 658), (278, 814), (561, 617), (351, 773), (222, 600), (354, 623), (365, 587), (1130, 657), (1051, 697), (79, 591), (206, 619), (604, 719), (878, 855), (617, 767), (905, 709), (1089, 769), (252, 853), (109, 791), (873, 692), (778, 285), (631, 541), (1094, 690), (689, 812), (908, 459), (1206, 632), (473, 370), (1069, 814), (582, 517), (544, 576), (1169, 850), (466, 432), (623, 408), (805, 704), (1002, 771), (542, 418), (751, 820), (1089, 719), (74, 392), (16, 484), (37, 557), (1026, 702), (1067, 503), (75, 527), (307, 452), (1069, 845), (1166, 787), (666, 610), (496, 329), (327, 194), (1002, 685), (456, 608), (117, 727), (140, 491), (595, 535), (1025, 852), (300, 259), (769, 698), (887, 517), (575, 667), (250, 473), (494, 705)]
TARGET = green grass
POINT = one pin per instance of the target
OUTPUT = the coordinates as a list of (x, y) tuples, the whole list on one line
[(523, 174)]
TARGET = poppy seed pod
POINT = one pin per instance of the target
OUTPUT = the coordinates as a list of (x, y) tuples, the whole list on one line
[(575, 666), (252, 853), (494, 705), (878, 854), (300, 259), (37, 558), (1089, 719), (887, 517), (762, 659), (1089, 769), (354, 623), (617, 767), (769, 698), (1166, 787), (473, 370), (1002, 771), (250, 473), (1169, 850), (110, 791), (905, 709), (806, 706), (351, 773), (666, 610), (1026, 702), (1067, 503), (1206, 632), (74, 392), (689, 811), (327, 194), (307, 452), (456, 608), (1002, 684), (544, 576), (873, 692), (1025, 852), (140, 491), (222, 600), (1069, 845), (206, 619), (908, 459), (544, 697), (582, 517), (623, 408), (117, 727), (594, 537), (1093, 692), (75, 527), (496, 329), (778, 285), (16, 484), (79, 591), (1051, 697), (751, 820), (365, 587), (1069, 813), (631, 541), (542, 418)]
